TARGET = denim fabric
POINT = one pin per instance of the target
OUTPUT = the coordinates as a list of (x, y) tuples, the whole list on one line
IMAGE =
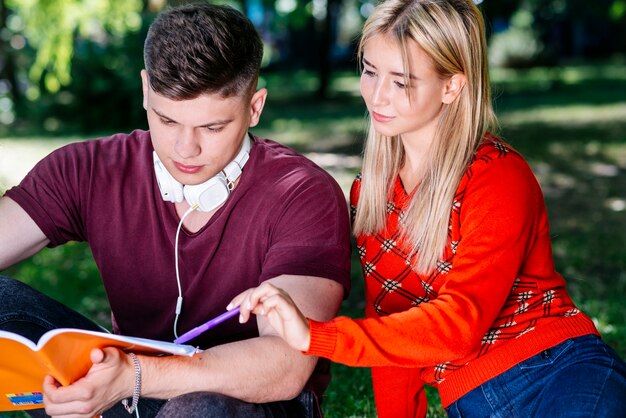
[(210, 405), (581, 377), (148, 408), (30, 313)]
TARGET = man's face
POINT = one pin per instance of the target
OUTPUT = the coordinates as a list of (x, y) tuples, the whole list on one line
[(195, 139)]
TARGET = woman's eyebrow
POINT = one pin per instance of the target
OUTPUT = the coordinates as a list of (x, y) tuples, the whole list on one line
[(394, 73)]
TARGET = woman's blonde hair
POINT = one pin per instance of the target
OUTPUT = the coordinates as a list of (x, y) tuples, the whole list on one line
[(452, 34)]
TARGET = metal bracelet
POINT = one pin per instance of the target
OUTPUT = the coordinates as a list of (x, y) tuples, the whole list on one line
[(137, 388)]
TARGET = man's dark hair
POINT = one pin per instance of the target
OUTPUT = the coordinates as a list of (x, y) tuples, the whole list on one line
[(199, 49)]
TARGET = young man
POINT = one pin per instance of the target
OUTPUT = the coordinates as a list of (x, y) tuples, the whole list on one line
[(249, 210)]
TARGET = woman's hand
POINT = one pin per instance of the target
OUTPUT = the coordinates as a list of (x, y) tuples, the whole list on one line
[(280, 310)]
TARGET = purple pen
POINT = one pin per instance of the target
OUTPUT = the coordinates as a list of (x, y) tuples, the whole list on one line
[(189, 335)]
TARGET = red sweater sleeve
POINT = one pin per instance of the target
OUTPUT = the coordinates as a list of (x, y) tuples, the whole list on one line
[(501, 212)]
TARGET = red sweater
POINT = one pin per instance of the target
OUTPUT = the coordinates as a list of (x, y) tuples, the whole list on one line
[(493, 301)]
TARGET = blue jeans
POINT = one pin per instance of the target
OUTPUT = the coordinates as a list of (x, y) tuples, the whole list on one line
[(29, 313), (581, 377)]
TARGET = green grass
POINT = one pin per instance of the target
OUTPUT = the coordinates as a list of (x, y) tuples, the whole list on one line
[(570, 123)]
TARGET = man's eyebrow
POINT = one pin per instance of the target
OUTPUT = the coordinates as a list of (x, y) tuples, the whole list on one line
[(216, 122), (161, 115), (411, 76), (206, 125)]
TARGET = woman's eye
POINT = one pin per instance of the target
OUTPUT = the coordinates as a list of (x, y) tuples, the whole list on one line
[(368, 73), (399, 84)]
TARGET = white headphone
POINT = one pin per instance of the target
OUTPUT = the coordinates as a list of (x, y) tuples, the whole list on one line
[(208, 195)]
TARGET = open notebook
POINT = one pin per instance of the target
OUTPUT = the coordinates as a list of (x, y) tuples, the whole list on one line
[(64, 354)]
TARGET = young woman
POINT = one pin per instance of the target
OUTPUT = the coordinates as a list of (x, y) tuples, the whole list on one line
[(453, 237)]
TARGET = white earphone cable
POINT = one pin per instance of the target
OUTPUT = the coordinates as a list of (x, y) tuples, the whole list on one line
[(179, 301)]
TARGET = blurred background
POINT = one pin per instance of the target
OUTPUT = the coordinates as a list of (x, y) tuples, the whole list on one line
[(69, 71)]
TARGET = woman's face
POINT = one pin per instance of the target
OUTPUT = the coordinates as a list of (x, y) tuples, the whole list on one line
[(393, 111)]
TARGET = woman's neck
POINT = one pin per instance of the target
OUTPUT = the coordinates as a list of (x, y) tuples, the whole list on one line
[(415, 161)]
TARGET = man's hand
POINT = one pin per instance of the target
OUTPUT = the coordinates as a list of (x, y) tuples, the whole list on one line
[(280, 310), (110, 379)]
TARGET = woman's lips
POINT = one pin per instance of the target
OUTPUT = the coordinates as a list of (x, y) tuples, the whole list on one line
[(188, 169), (381, 118)]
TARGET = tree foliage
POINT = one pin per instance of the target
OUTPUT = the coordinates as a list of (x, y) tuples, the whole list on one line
[(66, 54), (50, 28)]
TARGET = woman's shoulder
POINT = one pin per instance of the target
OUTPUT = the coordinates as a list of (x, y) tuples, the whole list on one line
[(493, 154), (496, 164)]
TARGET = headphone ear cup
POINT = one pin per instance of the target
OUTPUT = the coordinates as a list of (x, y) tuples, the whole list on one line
[(171, 190), (208, 195)]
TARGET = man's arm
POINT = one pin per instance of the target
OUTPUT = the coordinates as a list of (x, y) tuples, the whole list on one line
[(20, 237), (262, 369)]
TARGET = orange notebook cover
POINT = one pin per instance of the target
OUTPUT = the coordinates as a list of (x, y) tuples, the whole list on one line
[(64, 354)]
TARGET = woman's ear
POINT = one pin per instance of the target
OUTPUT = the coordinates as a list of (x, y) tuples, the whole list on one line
[(453, 88)]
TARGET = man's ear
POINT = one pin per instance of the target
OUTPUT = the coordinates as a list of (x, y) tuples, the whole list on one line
[(144, 87), (257, 102), (453, 88)]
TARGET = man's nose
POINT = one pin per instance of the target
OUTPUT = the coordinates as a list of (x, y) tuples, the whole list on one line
[(187, 145)]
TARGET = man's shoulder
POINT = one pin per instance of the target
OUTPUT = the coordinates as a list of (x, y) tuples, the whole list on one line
[(280, 173), (96, 158), (133, 141), (275, 159), (272, 150), (113, 149)]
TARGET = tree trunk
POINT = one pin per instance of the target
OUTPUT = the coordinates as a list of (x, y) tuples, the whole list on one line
[(327, 40)]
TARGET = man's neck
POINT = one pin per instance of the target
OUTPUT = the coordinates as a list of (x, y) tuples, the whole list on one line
[(196, 220)]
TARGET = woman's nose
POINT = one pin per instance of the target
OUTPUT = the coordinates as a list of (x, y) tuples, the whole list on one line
[(380, 93)]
